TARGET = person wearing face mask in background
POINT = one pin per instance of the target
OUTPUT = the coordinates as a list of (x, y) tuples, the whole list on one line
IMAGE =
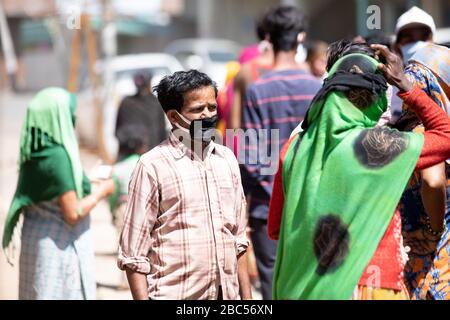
[(184, 228), (414, 29), (426, 63), (423, 205)]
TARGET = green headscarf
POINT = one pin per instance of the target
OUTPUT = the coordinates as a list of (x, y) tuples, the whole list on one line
[(49, 157), (342, 180)]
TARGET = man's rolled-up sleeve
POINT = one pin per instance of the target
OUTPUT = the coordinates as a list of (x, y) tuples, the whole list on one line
[(140, 216), (242, 241)]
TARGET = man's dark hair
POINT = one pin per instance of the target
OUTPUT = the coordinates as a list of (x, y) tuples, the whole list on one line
[(425, 32), (142, 78), (340, 48), (132, 138), (316, 48), (261, 28), (142, 81), (284, 23), (171, 89), (379, 37)]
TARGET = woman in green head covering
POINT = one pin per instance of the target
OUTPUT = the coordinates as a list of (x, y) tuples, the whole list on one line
[(56, 258), (340, 181)]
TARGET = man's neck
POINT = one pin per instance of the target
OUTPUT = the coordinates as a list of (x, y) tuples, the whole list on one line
[(266, 58), (144, 92), (199, 147), (285, 60)]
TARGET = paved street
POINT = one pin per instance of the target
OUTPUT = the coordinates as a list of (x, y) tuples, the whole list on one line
[(12, 111)]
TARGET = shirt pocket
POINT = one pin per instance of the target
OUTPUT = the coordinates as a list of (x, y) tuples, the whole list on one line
[(227, 199)]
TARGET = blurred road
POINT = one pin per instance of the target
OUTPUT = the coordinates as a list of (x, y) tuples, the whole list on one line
[(12, 112)]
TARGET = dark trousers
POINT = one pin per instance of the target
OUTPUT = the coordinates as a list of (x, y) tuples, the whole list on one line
[(265, 254)]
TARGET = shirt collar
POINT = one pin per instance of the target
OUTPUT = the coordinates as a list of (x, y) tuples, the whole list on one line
[(179, 149)]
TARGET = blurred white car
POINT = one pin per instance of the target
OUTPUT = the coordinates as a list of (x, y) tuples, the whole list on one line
[(207, 55), (120, 70), (117, 79)]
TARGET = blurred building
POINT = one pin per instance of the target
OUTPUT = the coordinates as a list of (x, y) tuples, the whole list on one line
[(29, 34), (42, 39), (329, 20), (42, 30)]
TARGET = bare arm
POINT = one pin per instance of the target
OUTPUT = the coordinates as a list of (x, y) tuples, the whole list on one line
[(436, 147), (243, 277), (238, 96), (138, 284), (434, 195), (74, 210)]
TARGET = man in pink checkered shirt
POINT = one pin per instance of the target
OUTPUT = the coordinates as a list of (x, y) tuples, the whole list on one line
[(184, 229)]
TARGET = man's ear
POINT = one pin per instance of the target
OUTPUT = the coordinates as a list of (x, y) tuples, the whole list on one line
[(172, 116), (301, 37)]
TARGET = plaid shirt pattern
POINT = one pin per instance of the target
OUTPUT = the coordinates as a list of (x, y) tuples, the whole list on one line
[(185, 222)]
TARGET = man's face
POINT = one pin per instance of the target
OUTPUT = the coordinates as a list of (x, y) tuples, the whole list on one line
[(198, 104), (319, 65), (413, 34)]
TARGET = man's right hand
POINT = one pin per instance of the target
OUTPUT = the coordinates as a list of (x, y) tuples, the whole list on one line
[(393, 68)]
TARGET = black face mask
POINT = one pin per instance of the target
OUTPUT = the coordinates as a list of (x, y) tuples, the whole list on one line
[(203, 129)]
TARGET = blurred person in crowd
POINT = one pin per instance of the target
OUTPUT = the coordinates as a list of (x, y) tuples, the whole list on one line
[(184, 229), (54, 195), (141, 109), (414, 29), (137, 144), (424, 202), (255, 60), (316, 59), (249, 53), (414, 37), (277, 100), (225, 104), (328, 213), (225, 97), (251, 69)]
